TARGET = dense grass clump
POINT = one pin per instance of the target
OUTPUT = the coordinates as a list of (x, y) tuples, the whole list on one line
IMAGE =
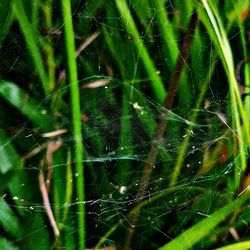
[(124, 124)]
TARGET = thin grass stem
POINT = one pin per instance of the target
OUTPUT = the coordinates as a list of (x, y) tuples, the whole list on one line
[(76, 115)]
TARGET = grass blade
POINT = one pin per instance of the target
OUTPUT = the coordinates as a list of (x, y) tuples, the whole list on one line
[(28, 106), (157, 85), (245, 245), (31, 40), (5, 18), (237, 107), (204, 227), (5, 244), (9, 157), (76, 115), (9, 220)]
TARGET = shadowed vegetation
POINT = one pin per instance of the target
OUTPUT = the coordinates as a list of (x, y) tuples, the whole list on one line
[(124, 124)]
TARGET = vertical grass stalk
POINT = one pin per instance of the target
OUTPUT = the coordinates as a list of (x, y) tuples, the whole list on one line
[(237, 107), (246, 68), (193, 118), (157, 84), (76, 115), (47, 7), (30, 37)]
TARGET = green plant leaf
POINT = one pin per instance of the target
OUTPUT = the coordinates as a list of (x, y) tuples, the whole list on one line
[(245, 245), (5, 244), (25, 104), (31, 35), (204, 227), (9, 220), (157, 84), (5, 18), (8, 156)]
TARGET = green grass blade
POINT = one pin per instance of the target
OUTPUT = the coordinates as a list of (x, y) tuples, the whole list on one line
[(76, 115), (8, 245), (69, 187), (245, 245), (204, 227), (31, 40), (193, 119), (167, 33), (8, 155), (157, 85), (27, 105), (247, 66), (5, 18), (238, 111), (9, 220)]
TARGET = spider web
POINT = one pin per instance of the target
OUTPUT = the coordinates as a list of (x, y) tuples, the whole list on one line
[(120, 118)]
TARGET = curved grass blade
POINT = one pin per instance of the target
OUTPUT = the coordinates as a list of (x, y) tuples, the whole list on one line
[(9, 220), (157, 85), (204, 227), (245, 245), (9, 157), (28, 106), (5, 244), (238, 112), (31, 40)]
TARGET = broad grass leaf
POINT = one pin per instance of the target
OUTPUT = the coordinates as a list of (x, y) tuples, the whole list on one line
[(9, 220), (203, 228), (244, 245), (5, 244), (27, 105), (8, 156)]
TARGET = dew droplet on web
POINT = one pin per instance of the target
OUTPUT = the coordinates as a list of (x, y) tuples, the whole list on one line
[(122, 189), (15, 198)]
